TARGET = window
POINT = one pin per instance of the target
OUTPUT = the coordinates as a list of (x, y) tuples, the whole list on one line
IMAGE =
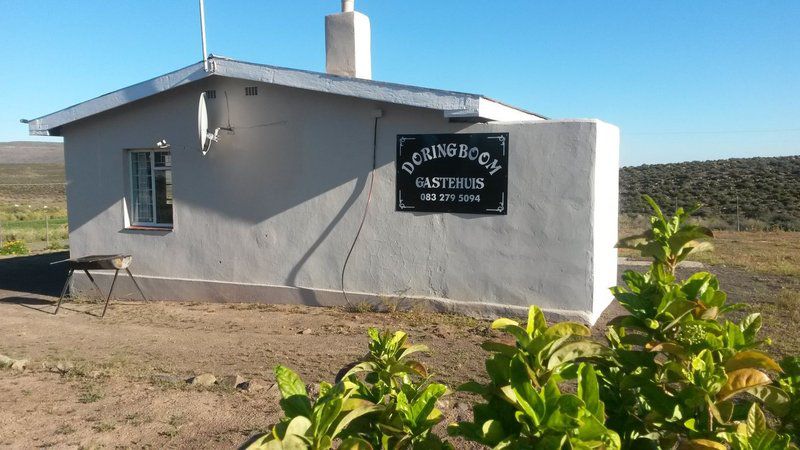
[(211, 94), (251, 90), (151, 188)]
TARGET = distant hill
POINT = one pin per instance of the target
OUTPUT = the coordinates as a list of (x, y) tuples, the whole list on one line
[(29, 152), (768, 190)]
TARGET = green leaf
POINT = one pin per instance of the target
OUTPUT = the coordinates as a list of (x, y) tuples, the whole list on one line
[(366, 366), (398, 340), (295, 406), (654, 205), (668, 348), (750, 326), (425, 402), (374, 335), (295, 400), (289, 383), (502, 322), (572, 351), (567, 415), (497, 367), (756, 420), (568, 329), (295, 442), (686, 235), (325, 414), (492, 431), (472, 386), (498, 347), (298, 426), (355, 443), (589, 391), (634, 242), (513, 328), (702, 444), (413, 349), (776, 399), (526, 397), (536, 321), (353, 415)]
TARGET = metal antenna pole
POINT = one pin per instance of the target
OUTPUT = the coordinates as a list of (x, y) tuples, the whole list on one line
[(203, 34)]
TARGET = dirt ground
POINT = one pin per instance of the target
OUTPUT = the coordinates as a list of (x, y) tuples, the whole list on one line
[(121, 380)]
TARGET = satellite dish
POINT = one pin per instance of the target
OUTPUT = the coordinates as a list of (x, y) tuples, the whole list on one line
[(202, 124), (205, 137)]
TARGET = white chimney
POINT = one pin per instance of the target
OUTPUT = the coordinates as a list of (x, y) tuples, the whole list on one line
[(347, 43)]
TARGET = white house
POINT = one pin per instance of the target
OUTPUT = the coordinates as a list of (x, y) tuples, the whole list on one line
[(325, 183)]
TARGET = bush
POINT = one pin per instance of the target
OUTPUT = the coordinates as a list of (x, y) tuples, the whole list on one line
[(14, 248), (386, 401), (672, 373), (679, 373)]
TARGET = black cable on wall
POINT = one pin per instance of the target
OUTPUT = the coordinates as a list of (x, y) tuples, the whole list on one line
[(366, 207)]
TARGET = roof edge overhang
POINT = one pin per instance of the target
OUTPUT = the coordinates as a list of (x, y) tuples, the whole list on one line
[(456, 106)]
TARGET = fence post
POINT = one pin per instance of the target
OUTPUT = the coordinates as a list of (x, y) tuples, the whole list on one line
[(47, 229)]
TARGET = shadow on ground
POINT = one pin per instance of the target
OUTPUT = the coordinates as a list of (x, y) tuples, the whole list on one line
[(32, 274)]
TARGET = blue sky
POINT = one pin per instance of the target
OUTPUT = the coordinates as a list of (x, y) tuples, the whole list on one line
[(684, 80)]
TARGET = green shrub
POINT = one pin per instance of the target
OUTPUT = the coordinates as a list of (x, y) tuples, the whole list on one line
[(386, 401), (674, 372), (14, 248), (524, 406), (680, 373)]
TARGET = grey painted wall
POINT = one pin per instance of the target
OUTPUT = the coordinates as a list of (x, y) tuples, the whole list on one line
[(270, 213)]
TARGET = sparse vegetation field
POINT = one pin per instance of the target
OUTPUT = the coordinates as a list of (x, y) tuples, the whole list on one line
[(33, 201), (764, 191)]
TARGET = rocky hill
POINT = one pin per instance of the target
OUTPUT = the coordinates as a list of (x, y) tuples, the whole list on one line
[(765, 190)]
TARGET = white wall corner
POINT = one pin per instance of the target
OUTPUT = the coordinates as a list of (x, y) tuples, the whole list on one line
[(605, 216), (348, 45)]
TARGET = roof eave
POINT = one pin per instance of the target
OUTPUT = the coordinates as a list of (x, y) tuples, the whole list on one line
[(50, 124), (454, 105)]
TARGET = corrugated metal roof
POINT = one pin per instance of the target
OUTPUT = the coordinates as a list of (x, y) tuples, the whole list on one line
[(454, 105)]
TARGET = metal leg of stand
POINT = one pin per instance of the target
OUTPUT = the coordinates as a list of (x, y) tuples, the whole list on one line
[(63, 291), (99, 291), (116, 272), (135, 283)]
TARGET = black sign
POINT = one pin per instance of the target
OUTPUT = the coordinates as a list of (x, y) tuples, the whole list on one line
[(456, 173)]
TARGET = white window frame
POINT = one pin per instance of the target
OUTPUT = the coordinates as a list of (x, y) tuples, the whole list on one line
[(153, 168)]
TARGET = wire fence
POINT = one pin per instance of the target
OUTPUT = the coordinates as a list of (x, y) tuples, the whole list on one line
[(48, 230)]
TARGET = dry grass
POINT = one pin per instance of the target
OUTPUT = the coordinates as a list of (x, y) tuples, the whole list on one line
[(788, 301), (765, 252), (762, 252)]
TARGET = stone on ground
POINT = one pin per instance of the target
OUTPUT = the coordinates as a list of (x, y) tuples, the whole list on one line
[(204, 379), (232, 381)]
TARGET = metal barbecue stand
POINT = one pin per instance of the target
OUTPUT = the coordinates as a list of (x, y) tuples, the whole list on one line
[(99, 262)]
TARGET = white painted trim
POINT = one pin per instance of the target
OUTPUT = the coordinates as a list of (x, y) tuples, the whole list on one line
[(132, 191), (453, 104)]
